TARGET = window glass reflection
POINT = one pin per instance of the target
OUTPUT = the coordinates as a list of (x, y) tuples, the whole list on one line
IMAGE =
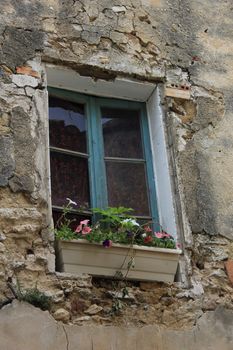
[(121, 133), (67, 125), (127, 186), (69, 178)]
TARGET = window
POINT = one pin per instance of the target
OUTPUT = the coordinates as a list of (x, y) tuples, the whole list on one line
[(100, 153)]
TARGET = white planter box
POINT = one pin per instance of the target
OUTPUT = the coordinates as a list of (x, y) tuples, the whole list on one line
[(151, 264)]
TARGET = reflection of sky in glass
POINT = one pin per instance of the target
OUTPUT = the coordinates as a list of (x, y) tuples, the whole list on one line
[(69, 117), (105, 120)]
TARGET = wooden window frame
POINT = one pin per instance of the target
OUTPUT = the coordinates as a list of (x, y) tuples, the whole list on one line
[(95, 155)]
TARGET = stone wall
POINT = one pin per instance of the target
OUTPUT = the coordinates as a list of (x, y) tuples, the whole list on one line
[(180, 44)]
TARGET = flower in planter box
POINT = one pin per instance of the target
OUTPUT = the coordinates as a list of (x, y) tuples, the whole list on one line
[(129, 234), (147, 229), (70, 202), (86, 230), (107, 243), (129, 222), (114, 225), (162, 235), (83, 227), (148, 239)]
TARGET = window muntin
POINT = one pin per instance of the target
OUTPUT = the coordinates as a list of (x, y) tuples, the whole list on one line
[(117, 175)]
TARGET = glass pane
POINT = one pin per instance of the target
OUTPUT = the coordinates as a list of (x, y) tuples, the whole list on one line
[(127, 186), (69, 179), (121, 132), (67, 125)]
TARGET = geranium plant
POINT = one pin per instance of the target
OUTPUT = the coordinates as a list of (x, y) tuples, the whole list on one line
[(112, 225)]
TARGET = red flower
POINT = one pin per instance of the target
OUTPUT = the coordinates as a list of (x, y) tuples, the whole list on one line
[(148, 239), (147, 229)]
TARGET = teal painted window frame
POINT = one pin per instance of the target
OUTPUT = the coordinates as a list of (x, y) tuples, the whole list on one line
[(96, 164)]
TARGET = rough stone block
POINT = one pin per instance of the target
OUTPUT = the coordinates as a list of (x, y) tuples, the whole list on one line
[(93, 309), (20, 215), (62, 315), (118, 9), (24, 80), (82, 280), (24, 145), (7, 163), (229, 269), (20, 45)]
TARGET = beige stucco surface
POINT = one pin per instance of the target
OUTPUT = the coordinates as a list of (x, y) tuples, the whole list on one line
[(24, 327)]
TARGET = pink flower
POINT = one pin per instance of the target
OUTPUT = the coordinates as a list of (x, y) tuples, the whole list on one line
[(82, 227), (159, 235), (147, 229), (78, 228), (162, 235), (86, 230), (84, 222)]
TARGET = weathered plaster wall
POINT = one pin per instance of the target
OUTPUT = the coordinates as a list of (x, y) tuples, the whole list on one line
[(175, 42), (213, 331)]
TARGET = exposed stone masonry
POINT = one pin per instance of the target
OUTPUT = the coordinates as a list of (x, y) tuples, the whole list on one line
[(183, 45)]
